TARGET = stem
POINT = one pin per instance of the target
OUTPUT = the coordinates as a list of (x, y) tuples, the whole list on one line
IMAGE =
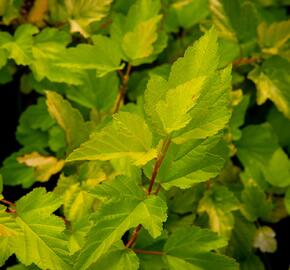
[(158, 163), (12, 211), (155, 171), (134, 236), (123, 87), (7, 202), (157, 189), (106, 24), (246, 61), (151, 252)]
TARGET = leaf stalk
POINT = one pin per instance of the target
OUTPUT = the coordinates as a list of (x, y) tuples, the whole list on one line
[(158, 163)]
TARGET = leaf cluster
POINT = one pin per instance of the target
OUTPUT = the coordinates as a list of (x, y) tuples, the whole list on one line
[(164, 124)]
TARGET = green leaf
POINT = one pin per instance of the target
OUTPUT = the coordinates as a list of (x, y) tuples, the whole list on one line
[(34, 124), (8, 226), (14, 173), (173, 110), (6, 249), (281, 125), (193, 240), (48, 49), (138, 44), (118, 259), (78, 232), (1, 185), (239, 247), (104, 56), (191, 163), (219, 10), (23, 267), (68, 118), (189, 248), (238, 117), (190, 12), (127, 136), (235, 19), (3, 58), (10, 10), (77, 202), (272, 38), (120, 188), (82, 13), (44, 166), (118, 216), (287, 200), (156, 90), (197, 119), (95, 93), (265, 239), (201, 59), (258, 149), (38, 201), (272, 80), (255, 204), (56, 140), (9, 229), (219, 203), (138, 34), (49, 43), (47, 246), (19, 47), (253, 262)]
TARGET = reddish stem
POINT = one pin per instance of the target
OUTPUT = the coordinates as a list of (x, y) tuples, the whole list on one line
[(8, 210), (246, 61), (158, 163), (7, 202), (134, 236), (106, 24), (155, 171), (123, 87), (151, 252), (157, 189)]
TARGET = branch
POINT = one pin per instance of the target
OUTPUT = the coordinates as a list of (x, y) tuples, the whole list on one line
[(246, 61), (158, 163), (12, 211), (151, 252), (106, 24), (155, 171), (7, 202), (123, 87), (134, 236)]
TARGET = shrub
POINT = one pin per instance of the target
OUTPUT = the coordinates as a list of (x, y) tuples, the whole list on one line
[(157, 138)]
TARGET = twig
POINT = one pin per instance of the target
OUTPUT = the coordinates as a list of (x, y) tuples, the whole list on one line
[(157, 189), (245, 61), (106, 24), (7, 202), (12, 211), (123, 87), (151, 252), (134, 236), (158, 163)]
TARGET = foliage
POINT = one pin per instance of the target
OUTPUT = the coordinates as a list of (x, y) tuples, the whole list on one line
[(164, 124)]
